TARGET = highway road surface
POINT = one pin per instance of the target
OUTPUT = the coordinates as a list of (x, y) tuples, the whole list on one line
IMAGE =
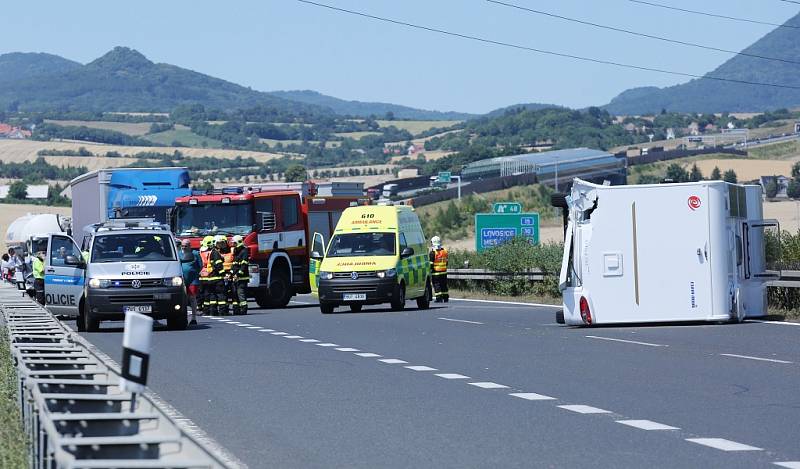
[(480, 384)]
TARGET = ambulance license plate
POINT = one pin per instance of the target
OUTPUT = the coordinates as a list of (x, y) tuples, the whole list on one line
[(144, 309), (354, 296)]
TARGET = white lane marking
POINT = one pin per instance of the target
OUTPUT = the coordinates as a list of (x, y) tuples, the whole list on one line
[(266, 330), (327, 344), (279, 333), (244, 325), (368, 355), (647, 425), (756, 358), (789, 464), (584, 409), (782, 323), (461, 320), (301, 302), (224, 320), (488, 385), (532, 396), (648, 344), (348, 349), (254, 327), (293, 337), (392, 361), (309, 341), (723, 444), (452, 376), (507, 302), (420, 368), (232, 322)]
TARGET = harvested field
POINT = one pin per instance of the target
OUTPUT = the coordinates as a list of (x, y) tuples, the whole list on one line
[(747, 170)]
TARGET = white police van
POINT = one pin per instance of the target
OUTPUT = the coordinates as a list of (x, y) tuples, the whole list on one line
[(126, 266)]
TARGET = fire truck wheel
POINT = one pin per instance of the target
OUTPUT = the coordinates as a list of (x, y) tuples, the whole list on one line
[(279, 290), (262, 298)]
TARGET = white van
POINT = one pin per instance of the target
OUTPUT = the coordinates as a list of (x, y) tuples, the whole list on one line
[(664, 252)]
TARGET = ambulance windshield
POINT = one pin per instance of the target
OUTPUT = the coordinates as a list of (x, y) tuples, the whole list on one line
[(362, 244)]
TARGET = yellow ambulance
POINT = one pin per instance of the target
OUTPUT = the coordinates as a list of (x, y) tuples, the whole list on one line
[(377, 254)]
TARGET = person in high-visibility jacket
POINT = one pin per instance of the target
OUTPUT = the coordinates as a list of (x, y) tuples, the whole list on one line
[(205, 293), (216, 278), (38, 276), (241, 274), (229, 286), (438, 259)]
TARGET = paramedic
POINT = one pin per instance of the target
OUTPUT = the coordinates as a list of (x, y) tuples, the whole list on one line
[(438, 259), (38, 276)]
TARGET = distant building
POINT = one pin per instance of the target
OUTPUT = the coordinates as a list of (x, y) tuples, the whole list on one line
[(693, 129), (8, 131), (783, 185), (35, 191), (670, 133)]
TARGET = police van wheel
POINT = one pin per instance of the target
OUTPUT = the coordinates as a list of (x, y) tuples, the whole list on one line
[(326, 308), (279, 290), (80, 321), (399, 303), (424, 302), (90, 323)]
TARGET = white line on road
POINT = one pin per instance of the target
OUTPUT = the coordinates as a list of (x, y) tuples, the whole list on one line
[(293, 337), (301, 302), (348, 349), (648, 344), (584, 409), (772, 360), (488, 385), (309, 341), (647, 425), (392, 361), (280, 333), (461, 320), (532, 396), (254, 327), (368, 355), (723, 444), (266, 330), (233, 322), (782, 323), (452, 376), (789, 464), (517, 303), (244, 325), (327, 344), (420, 368)]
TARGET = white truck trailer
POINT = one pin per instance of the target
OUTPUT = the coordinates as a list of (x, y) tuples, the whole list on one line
[(664, 252)]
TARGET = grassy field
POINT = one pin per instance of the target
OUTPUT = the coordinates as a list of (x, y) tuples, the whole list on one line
[(25, 150), (355, 135), (272, 142), (416, 127), (776, 151), (184, 135), (135, 129), (13, 445)]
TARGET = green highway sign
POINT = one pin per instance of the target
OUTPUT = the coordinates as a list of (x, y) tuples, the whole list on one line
[(507, 207), (445, 177), (494, 229)]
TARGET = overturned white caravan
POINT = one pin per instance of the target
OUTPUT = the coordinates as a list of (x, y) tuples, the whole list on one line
[(664, 252)]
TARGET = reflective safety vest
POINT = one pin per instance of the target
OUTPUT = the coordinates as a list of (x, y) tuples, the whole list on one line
[(440, 260), (204, 258), (227, 261), (38, 268)]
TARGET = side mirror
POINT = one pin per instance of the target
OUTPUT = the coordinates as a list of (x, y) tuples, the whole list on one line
[(74, 261), (315, 255), (406, 252)]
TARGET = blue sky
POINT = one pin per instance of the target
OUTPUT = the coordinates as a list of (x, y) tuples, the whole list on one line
[(284, 44)]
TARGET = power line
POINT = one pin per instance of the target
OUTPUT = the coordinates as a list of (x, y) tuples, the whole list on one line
[(635, 33), (705, 13), (541, 51)]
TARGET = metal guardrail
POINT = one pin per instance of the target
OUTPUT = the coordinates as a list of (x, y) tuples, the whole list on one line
[(73, 410)]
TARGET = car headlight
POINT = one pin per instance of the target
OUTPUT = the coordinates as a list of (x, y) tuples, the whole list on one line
[(326, 275), (99, 283), (173, 281), (388, 273)]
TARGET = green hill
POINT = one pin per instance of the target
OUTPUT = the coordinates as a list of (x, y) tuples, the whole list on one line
[(18, 66), (716, 96)]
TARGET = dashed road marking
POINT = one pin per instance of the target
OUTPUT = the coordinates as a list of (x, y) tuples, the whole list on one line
[(772, 360), (647, 425), (348, 349), (584, 409), (723, 444), (266, 330), (327, 344), (461, 320), (254, 327), (647, 344), (789, 464), (368, 355), (232, 322), (279, 333), (452, 376), (420, 368), (532, 396), (392, 361), (488, 385), (293, 337), (309, 341), (516, 303)]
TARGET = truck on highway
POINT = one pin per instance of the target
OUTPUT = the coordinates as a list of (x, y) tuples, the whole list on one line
[(106, 194), (664, 252), (276, 221)]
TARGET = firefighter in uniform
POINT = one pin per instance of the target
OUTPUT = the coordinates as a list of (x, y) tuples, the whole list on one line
[(228, 289), (438, 259), (215, 279), (205, 293), (38, 276), (241, 274)]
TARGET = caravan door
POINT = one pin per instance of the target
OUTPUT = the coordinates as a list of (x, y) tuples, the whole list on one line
[(64, 272)]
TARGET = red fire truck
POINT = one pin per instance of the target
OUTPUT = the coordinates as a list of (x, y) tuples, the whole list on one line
[(276, 220)]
